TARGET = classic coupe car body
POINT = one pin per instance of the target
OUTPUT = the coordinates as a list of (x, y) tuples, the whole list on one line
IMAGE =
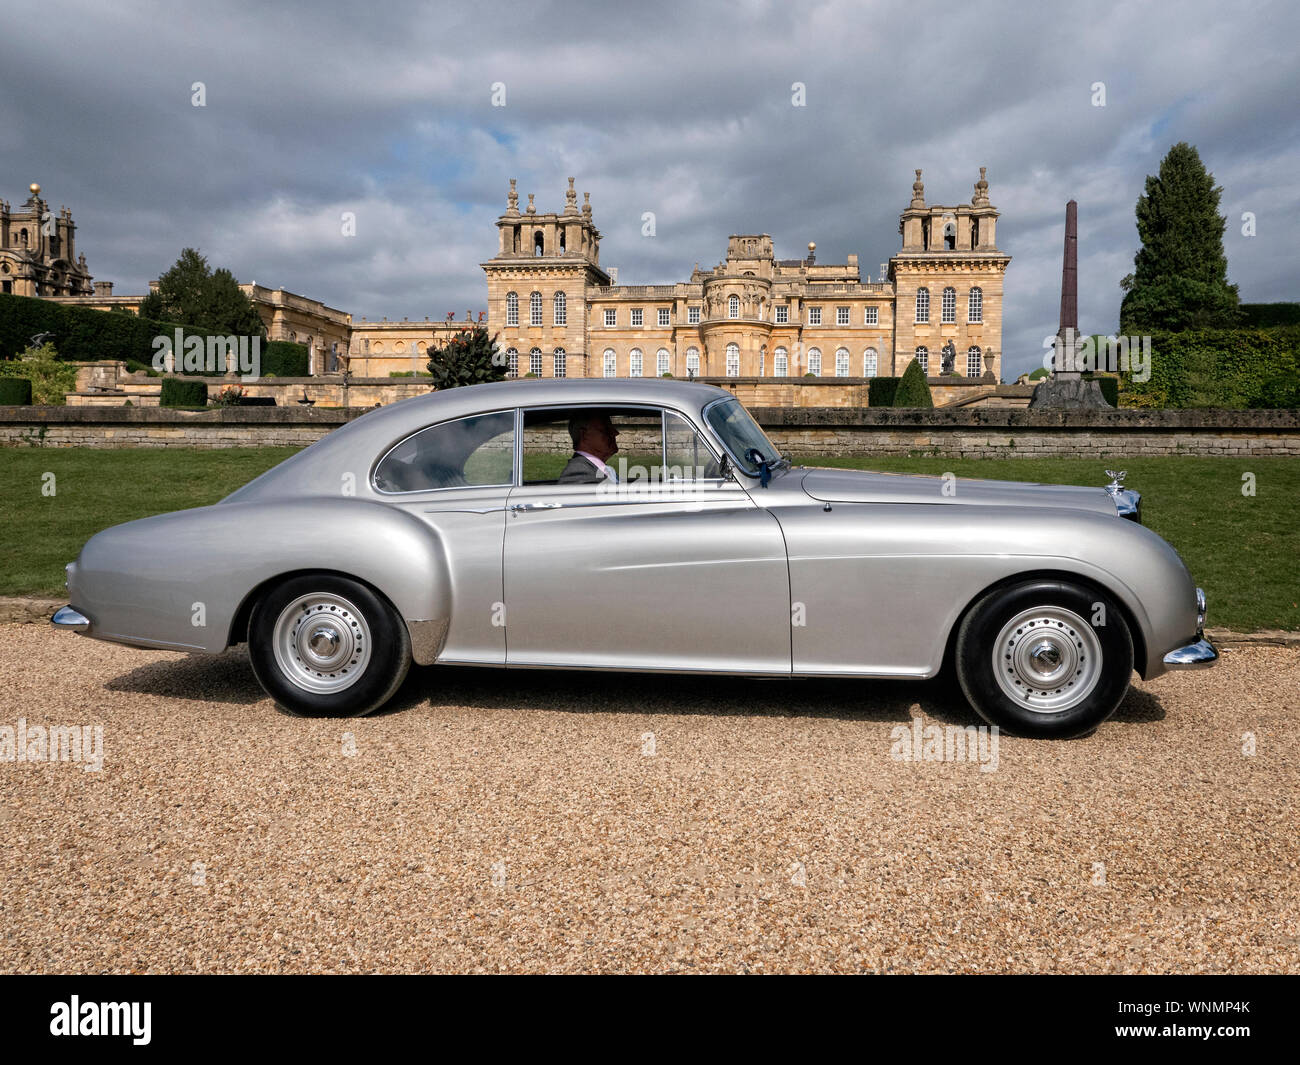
[(435, 530)]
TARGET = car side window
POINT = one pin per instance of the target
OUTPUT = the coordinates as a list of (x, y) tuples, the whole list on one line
[(686, 456), (467, 452)]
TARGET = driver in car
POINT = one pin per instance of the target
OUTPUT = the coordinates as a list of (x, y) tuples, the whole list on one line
[(595, 441)]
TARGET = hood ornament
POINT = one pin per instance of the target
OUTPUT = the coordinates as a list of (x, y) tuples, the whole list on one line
[(1116, 480)]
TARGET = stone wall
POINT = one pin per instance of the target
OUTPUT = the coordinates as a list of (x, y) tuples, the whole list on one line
[(965, 432)]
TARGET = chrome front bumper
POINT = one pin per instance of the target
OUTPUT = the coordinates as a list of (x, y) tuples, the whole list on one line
[(1199, 654), (67, 618)]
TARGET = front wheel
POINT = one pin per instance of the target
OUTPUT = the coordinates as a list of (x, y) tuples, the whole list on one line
[(328, 646), (1045, 658)]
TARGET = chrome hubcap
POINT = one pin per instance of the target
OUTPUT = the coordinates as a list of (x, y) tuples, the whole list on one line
[(322, 643), (1047, 659)]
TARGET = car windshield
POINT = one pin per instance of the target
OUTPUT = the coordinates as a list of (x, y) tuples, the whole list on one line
[(740, 433)]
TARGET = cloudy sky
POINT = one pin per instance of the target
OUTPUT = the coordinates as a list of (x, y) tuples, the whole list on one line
[(385, 110)]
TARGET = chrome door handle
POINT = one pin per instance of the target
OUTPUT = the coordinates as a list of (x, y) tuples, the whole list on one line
[(519, 507)]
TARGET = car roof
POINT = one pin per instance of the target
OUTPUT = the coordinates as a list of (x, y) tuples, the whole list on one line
[(355, 446)]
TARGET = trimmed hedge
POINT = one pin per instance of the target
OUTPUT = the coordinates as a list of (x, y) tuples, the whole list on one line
[(284, 358), (881, 391), (82, 335), (179, 393), (15, 392), (1217, 368), (913, 389)]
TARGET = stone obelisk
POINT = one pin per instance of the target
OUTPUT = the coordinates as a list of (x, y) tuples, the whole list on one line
[(1065, 387)]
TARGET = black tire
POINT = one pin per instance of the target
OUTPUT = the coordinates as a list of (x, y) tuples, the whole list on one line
[(365, 629), (1075, 634)]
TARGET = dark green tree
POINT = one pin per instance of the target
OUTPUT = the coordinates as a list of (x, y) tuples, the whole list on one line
[(470, 357), (191, 293), (913, 391), (1180, 280)]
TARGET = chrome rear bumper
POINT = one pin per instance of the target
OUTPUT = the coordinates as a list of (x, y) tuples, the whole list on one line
[(67, 618), (1196, 655)]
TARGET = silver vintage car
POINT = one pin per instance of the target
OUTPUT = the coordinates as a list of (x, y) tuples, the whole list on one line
[(644, 525)]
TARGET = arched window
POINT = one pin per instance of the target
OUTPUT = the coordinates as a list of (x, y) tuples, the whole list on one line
[(950, 237), (561, 363), (870, 363), (733, 360), (561, 309), (975, 306), (781, 363), (539, 243), (535, 309), (923, 305), (693, 362), (974, 362), (815, 362), (733, 307), (923, 357), (611, 363), (949, 305), (512, 308), (842, 362), (661, 362), (762, 361), (512, 362), (635, 363), (535, 362)]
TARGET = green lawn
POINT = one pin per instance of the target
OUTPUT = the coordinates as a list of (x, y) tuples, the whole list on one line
[(1245, 551)]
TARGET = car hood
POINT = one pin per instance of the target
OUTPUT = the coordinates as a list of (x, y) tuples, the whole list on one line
[(858, 486)]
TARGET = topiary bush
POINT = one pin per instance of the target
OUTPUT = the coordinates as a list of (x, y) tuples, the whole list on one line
[(913, 391), (179, 393), (284, 358), (881, 391), (15, 392)]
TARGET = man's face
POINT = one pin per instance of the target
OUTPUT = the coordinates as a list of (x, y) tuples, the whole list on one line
[(599, 438)]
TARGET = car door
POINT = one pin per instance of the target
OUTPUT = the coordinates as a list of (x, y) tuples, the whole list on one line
[(457, 477), (674, 570)]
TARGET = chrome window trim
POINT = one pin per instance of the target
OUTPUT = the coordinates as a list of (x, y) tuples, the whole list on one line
[(374, 468)]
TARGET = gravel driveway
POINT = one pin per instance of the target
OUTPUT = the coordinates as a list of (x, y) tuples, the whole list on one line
[(578, 822)]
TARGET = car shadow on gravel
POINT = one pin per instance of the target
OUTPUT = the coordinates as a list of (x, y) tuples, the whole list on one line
[(223, 678)]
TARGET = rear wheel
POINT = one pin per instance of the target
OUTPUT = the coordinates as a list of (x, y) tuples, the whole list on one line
[(328, 646), (1045, 658)]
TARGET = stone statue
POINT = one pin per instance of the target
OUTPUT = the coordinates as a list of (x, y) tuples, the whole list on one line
[(949, 359)]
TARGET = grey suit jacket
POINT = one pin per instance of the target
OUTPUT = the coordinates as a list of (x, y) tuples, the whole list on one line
[(580, 471)]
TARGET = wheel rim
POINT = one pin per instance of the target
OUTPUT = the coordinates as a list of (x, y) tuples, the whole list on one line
[(322, 643), (1047, 659)]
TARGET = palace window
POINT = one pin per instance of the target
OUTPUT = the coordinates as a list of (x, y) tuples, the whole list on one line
[(975, 306), (611, 363), (923, 357), (733, 360), (781, 363), (611, 317), (814, 316), (841, 316), (733, 307), (561, 363), (842, 362), (635, 362), (974, 362), (871, 316), (661, 362), (692, 362), (535, 309), (923, 305), (692, 316), (782, 313), (512, 308), (870, 363), (663, 316), (512, 362), (638, 317), (561, 309), (535, 362), (815, 362), (948, 312)]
